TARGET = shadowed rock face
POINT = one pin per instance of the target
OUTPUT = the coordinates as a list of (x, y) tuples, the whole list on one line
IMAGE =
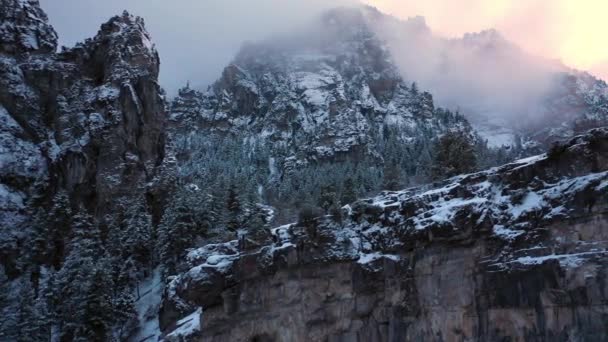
[(514, 253), (88, 119)]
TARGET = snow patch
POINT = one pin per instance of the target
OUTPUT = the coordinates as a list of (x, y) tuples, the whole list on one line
[(186, 327), (147, 304), (505, 233)]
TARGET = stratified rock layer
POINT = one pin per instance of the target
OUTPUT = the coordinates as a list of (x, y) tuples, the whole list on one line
[(513, 253)]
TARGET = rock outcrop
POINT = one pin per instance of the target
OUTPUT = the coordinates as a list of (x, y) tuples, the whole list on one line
[(89, 119), (316, 96), (24, 28), (516, 253)]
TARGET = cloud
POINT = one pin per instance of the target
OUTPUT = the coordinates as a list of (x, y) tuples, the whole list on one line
[(573, 31), (600, 70), (195, 38)]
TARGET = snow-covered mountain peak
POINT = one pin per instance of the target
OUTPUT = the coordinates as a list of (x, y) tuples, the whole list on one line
[(122, 45), (320, 93)]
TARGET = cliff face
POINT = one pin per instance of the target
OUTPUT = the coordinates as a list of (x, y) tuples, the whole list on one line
[(513, 253), (88, 119)]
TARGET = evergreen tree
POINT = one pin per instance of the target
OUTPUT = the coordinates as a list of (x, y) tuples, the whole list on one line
[(454, 154), (214, 205), (59, 225), (258, 228), (26, 315), (79, 276), (328, 197), (177, 232), (39, 238), (349, 191), (136, 237), (96, 310), (392, 178), (233, 209)]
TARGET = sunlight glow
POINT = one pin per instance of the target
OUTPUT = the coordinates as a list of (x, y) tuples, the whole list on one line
[(573, 31)]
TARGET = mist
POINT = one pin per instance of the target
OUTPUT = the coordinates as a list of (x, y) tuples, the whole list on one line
[(484, 75), (488, 78), (196, 39)]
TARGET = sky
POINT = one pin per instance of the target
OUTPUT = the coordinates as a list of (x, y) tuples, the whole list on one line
[(197, 38), (573, 31)]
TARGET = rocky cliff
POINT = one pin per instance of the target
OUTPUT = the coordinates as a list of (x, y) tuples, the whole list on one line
[(516, 253), (323, 94), (89, 119)]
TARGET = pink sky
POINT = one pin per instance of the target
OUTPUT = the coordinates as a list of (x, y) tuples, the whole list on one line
[(573, 31)]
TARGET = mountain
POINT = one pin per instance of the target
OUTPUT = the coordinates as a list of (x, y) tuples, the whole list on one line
[(311, 110), (125, 216), (81, 136), (320, 94), (514, 252), (88, 120), (510, 96)]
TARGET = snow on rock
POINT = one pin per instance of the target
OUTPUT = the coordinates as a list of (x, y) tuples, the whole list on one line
[(105, 107), (506, 233), (529, 214), (321, 99), (187, 327), (22, 166), (24, 27)]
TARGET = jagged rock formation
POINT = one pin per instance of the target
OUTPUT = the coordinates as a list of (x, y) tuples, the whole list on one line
[(88, 119), (516, 252), (321, 95), (24, 28)]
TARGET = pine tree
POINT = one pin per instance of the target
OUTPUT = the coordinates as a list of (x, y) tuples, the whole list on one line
[(349, 191), (26, 313), (76, 277), (328, 197), (59, 226), (136, 237), (39, 238), (213, 205), (96, 309), (258, 228), (123, 310), (177, 232), (392, 178), (233, 209), (454, 154)]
